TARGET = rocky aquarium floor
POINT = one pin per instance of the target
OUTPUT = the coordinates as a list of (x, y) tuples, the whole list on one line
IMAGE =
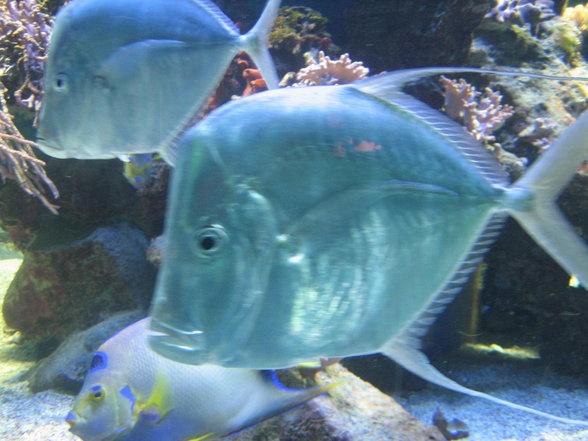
[(40, 417), (25, 416)]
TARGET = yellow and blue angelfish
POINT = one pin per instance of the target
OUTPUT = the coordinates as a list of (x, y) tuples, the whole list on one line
[(132, 393)]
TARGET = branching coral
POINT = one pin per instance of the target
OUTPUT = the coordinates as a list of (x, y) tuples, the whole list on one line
[(24, 37), (18, 162), (326, 71), (480, 113)]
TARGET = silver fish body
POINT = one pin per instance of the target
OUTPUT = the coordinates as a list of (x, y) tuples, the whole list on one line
[(126, 76), (336, 218), (339, 220), (131, 393)]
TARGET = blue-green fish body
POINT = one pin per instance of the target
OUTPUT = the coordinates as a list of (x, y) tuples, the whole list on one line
[(131, 393), (126, 76), (335, 221)]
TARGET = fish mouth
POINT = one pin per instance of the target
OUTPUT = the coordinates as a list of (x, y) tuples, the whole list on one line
[(50, 148), (176, 344)]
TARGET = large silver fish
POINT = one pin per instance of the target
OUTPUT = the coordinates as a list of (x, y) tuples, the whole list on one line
[(133, 394), (339, 220), (126, 76)]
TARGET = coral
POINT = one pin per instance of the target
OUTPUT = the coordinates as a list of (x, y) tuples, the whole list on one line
[(521, 12), (540, 134), (18, 162), (480, 113), (24, 37), (297, 30), (578, 15), (326, 71), (568, 38)]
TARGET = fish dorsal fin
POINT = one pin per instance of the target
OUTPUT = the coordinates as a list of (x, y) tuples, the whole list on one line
[(404, 348), (219, 15), (391, 82), (388, 89)]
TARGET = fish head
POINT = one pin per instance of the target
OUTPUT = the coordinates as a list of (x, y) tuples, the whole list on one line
[(103, 410), (218, 249), (75, 119)]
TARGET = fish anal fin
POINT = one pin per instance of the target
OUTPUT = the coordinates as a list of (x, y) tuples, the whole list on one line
[(416, 362)]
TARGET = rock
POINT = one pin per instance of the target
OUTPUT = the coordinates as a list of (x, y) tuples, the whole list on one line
[(352, 411), (66, 367), (64, 288), (425, 33)]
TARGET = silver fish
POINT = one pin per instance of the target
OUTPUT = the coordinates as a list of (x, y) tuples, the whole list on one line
[(339, 220), (131, 393), (126, 76)]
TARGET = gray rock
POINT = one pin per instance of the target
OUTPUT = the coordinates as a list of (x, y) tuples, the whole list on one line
[(352, 411), (69, 287), (66, 367)]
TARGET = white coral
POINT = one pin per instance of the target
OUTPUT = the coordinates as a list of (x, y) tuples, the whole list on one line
[(326, 71)]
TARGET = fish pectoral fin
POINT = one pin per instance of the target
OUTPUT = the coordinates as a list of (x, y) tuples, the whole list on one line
[(127, 60), (416, 362), (158, 405)]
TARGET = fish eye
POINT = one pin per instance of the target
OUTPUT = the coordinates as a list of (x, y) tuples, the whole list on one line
[(97, 393), (209, 240), (61, 82)]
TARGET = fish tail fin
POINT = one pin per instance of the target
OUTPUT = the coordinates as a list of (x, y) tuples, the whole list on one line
[(536, 209), (413, 360), (255, 44)]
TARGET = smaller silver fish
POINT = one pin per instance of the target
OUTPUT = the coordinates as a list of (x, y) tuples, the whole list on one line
[(131, 393), (127, 76)]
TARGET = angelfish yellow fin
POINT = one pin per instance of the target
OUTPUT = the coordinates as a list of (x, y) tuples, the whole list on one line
[(207, 437), (158, 405)]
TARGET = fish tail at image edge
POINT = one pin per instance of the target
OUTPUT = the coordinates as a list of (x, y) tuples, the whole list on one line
[(531, 200), (256, 43)]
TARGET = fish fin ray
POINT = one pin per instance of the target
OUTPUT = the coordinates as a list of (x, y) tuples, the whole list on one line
[(218, 14), (416, 362), (547, 178), (256, 44), (417, 329), (386, 85)]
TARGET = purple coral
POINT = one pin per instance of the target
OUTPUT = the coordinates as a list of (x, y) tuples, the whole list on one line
[(521, 12), (24, 37)]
